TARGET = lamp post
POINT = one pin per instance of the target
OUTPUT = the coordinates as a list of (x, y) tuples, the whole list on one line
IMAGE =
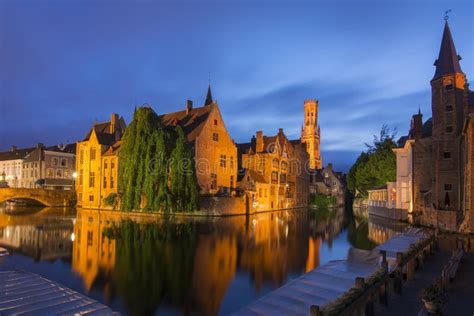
[(74, 176)]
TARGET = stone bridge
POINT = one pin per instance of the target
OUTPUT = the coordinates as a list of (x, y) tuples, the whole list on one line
[(42, 196)]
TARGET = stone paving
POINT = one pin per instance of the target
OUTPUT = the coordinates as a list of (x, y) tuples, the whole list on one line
[(461, 290), (409, 303)]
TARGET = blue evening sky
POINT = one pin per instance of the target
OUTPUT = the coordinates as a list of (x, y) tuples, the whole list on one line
[(64, 64)]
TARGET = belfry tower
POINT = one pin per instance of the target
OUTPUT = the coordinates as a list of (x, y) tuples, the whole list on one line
[(448, 91), (310, 133)]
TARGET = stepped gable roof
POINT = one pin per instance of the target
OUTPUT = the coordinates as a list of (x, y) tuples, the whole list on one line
[(15, 154), (191, 121)]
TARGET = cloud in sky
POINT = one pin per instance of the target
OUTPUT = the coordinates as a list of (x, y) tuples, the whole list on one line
[(64, 65)]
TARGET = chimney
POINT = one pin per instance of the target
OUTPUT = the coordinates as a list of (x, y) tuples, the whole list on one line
[(259, 143), (189, 106), (113, 122), (14, 148), (416, 126)]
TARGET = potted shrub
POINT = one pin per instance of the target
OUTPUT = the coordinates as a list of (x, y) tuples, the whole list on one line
[(434, 297)]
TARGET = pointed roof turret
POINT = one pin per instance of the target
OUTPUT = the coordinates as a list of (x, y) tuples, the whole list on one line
[(208, 96), (448, 59)]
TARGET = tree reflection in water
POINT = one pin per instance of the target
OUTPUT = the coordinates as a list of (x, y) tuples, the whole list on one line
[(154, 263)]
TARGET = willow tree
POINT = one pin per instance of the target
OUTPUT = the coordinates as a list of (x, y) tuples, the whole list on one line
[(148, 176)]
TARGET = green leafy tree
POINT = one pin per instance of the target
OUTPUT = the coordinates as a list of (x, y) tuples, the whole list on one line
[(376, 165), (157, 168)]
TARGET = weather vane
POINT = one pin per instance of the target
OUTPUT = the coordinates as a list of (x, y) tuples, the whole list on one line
[(446, 16)]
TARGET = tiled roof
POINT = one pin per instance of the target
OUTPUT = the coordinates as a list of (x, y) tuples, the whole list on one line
[(102, 130), (35, 154), (191, 121), (448, 59), (15, 154)]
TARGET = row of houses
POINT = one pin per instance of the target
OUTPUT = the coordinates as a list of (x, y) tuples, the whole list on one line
[(273, 171), (51, 167)]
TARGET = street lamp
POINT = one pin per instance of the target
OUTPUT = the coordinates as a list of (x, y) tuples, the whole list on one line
[(74, 176)]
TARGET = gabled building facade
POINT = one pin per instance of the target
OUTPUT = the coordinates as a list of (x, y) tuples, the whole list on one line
[(50, 167), (11, 166), (97, 162), (215, 152), (275, 167)]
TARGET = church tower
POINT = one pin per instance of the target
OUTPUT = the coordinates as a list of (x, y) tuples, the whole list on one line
[(448, 95), (310, 133)]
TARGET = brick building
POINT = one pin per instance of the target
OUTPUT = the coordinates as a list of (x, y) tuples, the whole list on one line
[(214, 150), (434, 161), (310, 133), (274, 173), (97, 162)]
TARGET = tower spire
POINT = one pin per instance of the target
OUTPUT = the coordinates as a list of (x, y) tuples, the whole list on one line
[(448, 59), (208, 96)]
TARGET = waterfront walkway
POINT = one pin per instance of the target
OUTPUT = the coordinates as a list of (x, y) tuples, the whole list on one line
[(409, 302), (330, 288), (461, 290), (30, 294)]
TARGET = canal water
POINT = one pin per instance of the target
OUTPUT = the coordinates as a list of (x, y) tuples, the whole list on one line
[(175, 265)]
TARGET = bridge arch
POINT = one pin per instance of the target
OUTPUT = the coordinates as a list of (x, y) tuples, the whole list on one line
[(42, 196)]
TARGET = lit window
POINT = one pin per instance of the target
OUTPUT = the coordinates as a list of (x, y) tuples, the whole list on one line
[(49, 173), (91, 179), (223, 161)]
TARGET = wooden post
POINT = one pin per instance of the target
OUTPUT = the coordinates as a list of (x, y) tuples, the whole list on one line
[(399, 274), (410, 269), (314, 310), (384, 295)]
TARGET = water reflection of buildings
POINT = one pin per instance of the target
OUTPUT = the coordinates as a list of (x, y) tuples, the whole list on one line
[(382, 229), (40, 238), (93, 253), (268, 246)]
